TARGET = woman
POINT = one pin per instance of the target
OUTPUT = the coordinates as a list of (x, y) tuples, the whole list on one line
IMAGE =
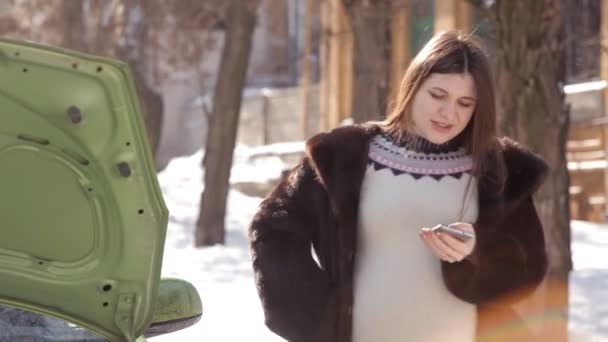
[(364, 192)]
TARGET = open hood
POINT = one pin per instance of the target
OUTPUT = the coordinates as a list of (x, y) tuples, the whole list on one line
[(82, 218)]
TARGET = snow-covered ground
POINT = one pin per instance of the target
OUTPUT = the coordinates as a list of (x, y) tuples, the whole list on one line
[(222, 274), (224, 279), (589, 281)]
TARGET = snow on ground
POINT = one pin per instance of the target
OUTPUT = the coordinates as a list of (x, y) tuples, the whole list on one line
[(589, 281), (224, 279), (222, 274)]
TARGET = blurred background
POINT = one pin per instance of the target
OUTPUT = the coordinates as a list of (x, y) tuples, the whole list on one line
[(231, 89)]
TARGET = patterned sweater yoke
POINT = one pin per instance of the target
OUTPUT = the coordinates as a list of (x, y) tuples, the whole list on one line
[(419, 157), (399, 292)]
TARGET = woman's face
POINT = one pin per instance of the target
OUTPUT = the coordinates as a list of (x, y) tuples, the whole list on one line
[(443, 106)]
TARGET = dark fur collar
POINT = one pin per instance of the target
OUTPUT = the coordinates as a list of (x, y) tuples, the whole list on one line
[(339, 157), (526, 171)]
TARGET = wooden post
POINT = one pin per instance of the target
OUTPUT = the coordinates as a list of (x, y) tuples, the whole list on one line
[(336, 64), (604, 76), (445, 15), (464, 16), (345, 61), (265, 119), (400, 48), (453, 14), (604, 41), (324, 67), (305, 76)]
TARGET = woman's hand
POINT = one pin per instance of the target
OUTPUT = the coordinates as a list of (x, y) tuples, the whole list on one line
[(446, 247)]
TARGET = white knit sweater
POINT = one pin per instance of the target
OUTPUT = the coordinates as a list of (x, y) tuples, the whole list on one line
[(399, 292)]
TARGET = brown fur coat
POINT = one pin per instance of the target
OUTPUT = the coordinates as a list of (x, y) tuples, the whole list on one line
[(318, 203)]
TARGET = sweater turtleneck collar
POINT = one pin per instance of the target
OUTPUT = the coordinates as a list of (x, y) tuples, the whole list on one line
[(417, 143)]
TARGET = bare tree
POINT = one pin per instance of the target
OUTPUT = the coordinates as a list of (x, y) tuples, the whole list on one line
[(531, 71), (240, 24), (371, 22), (583, 41), (133, 52), (131, 30), (120, 31), (73, 25), (530, 68)]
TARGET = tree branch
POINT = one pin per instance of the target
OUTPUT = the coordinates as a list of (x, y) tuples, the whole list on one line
[(477, 3)]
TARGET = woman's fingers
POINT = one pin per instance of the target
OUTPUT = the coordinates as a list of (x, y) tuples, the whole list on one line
[(431, 241), (446, 247), (469, 244), (426, 238), (451, 242)]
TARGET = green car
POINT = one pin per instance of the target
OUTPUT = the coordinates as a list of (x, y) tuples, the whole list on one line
[(83, 219)]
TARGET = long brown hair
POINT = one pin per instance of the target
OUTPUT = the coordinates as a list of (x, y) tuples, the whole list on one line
[(447, 53)]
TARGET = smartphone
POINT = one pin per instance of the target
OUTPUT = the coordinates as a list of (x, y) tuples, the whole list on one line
[(454, 232)]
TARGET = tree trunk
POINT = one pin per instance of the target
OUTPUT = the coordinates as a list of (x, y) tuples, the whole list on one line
[(240, 24), (305, 76), (530, 72), (73, 25), (371, 22), (133, 52), (583, 43), (126, 43)]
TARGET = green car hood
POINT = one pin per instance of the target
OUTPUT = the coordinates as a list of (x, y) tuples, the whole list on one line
[(82, 218)]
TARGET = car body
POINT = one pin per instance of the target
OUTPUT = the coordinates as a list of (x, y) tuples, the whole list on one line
[(83, 218)]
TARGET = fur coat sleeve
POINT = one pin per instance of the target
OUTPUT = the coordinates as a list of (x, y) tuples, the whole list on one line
[(509, 259), (294, 290)]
